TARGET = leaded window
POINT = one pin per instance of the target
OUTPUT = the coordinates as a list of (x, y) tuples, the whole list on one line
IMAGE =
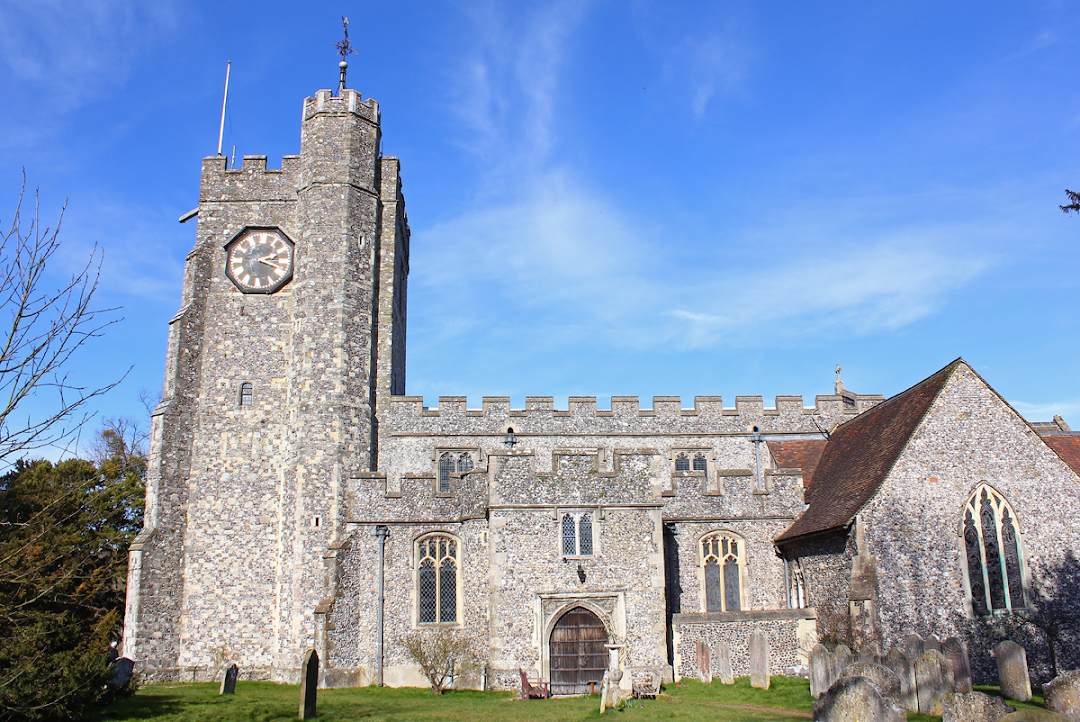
[(682, 462), (723, 558), (577, 535), (246, 393), (994, 554), (700, 464), (450, 463), (437, 579)]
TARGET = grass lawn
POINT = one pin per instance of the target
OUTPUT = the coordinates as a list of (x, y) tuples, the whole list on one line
[(787, 701)]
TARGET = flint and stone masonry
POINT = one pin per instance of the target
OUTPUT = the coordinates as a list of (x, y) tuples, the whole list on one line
[(285, 454)]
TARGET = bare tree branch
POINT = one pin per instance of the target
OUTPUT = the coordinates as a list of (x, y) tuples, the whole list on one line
[(41, 328)]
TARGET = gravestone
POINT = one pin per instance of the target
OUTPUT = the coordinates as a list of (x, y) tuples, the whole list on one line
[(956, 652), (856, 699), (1034, 715), (1063, 695), (1013, 671), (904, 669), (973, 707), (723, 663), (843, 658), (704, 666), (933, 681), (882, 677), (932, 643), (228, 683), (121, 672), (309, 684), (913, 646), (759, 660), (820, 670)]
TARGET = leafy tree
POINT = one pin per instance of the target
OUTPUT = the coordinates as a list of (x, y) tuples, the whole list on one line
[(64, 533), (1074, 202)]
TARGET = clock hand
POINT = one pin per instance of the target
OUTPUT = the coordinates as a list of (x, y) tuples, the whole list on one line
[(269, 261)]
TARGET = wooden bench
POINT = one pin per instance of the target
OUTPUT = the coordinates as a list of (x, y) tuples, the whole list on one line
[(533, 688), (647, 689)]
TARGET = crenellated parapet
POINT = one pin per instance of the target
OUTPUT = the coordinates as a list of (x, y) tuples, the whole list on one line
[(251, 182), (408, 415)]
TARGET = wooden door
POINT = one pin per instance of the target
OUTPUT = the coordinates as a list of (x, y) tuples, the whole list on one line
[(577, 653)]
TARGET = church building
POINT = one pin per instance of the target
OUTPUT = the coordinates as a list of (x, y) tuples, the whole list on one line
[(298, 498)]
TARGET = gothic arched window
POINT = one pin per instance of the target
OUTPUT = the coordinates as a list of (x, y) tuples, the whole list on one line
[(700, 464), (437, 579), (449, 464), (723, 557), (994, 554), (577, 535), (682, 462)]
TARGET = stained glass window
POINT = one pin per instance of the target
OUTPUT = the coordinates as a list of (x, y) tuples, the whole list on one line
[(436, 593), (723, 562), (994, 554)]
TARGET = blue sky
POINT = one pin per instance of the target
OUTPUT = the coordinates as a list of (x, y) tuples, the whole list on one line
[(637, 198)]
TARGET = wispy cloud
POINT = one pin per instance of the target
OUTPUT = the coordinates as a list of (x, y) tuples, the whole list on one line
[(712, 64), (1070, 410), (76, 49)]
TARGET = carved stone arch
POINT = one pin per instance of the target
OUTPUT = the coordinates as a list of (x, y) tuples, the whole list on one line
[(604, 615), (990, 539), (605, 606), (438, 579), (722, 571)]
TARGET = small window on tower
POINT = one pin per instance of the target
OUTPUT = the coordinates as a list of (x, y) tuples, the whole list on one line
[(682, 462), (245, 394), (699, 463)]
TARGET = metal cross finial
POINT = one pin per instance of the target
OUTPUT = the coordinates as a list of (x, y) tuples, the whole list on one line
[(345, 49), (837, 372)]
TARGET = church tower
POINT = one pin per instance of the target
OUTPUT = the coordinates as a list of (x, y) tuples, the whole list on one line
[(281, 360)]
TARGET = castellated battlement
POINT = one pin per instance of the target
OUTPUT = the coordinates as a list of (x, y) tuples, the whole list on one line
[(410, 415), (252, 181), (350, 101)]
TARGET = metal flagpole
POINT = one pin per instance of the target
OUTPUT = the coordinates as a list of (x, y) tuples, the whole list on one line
[(221, 130)]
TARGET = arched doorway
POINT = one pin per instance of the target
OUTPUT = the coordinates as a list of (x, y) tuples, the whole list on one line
[(577, 653)]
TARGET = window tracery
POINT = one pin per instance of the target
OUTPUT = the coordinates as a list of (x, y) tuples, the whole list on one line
[(577, 535), (437, 579), (682, 462), (700, 463), (723, 560), (452, 462), (994, 554)]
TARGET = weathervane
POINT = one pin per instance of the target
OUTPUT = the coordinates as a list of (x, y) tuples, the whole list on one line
[(344, 48)]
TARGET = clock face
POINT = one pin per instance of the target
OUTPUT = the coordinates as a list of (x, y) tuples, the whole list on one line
[(259, 260)]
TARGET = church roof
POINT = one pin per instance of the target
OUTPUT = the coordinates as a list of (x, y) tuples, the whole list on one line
[(798, 454), (860, 454), (1067, 447)]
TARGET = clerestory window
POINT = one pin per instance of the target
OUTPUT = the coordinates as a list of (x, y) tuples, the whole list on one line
[(449, 463), (437, 568), (723, 558), (577, 535), (994, 554)]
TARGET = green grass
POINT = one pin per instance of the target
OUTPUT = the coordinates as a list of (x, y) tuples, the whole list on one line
[(787, 701)]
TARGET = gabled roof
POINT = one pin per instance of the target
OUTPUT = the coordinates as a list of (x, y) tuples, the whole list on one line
[(860, 454), (798, 454), (1067, 447)]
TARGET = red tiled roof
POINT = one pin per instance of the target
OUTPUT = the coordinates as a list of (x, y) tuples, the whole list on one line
[(1067, 447), (798, 454), (859, 455)]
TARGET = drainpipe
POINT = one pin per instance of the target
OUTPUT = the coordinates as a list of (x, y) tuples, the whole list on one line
[(381, 532), (758, 481)]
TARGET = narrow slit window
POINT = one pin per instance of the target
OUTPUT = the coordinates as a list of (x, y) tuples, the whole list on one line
[(246, 393), (446, 467)]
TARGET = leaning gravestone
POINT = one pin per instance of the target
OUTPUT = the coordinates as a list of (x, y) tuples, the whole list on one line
[(1013, 671), (1063, 695), (759, 660), (932, 643), (121, 672), (723, 663), (228, 683), (856, 699), (820, 670), (843, 658), (904, 669), (913, 646), (973, 707), (955, 651), (309, 683), (933, 679), (882, 677), (704, 667)]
